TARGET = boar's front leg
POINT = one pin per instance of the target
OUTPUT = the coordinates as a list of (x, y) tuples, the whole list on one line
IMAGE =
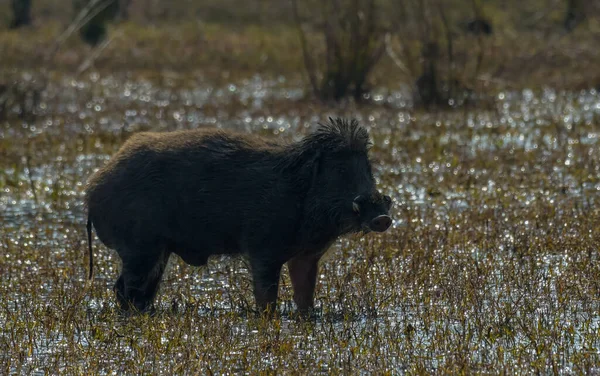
[(265, 276), (303, 272)]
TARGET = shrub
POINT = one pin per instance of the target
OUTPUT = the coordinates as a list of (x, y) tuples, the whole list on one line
[(353, 43)]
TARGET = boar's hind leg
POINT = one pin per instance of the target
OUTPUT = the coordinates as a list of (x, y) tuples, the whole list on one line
[(265, 276), (303, 273), (138, 283), (155, 277)]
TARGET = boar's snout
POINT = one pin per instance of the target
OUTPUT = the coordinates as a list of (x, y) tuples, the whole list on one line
[(373, 211), (380, 223)]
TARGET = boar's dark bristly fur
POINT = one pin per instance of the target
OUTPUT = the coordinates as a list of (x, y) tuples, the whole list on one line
[(204, 192)]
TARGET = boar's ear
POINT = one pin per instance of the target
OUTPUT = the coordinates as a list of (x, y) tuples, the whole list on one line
[(316, 166), (310, 170)]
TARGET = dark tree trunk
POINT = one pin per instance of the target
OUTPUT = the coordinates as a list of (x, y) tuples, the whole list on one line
[(94, 30), (428, 85), (575, 14), (21, 13), (124, 9)]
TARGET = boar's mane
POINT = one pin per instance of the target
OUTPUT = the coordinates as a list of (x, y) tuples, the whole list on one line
[(337, 135)]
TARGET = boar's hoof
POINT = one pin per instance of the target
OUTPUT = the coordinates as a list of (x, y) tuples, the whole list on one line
[(132, 309), (308, 314)]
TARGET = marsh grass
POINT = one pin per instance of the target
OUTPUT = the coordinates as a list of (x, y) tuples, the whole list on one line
[(492, 264)]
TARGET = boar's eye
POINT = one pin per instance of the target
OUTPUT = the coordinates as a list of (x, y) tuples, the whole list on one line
[(388, 201)]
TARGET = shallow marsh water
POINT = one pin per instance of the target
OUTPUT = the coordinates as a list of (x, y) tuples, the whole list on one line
[(492, 262)]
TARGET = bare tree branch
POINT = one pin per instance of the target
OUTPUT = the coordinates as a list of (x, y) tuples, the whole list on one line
[(308, 63)]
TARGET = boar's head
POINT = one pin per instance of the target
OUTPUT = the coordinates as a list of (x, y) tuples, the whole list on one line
[(342, 190)]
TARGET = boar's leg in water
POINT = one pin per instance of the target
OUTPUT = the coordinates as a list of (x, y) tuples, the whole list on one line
[(303, 273), (138, 283), (265, 276)]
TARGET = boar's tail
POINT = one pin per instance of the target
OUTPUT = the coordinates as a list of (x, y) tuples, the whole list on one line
[(91, 255)]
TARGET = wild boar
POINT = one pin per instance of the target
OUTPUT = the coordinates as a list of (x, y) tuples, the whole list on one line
[(203, 192)]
